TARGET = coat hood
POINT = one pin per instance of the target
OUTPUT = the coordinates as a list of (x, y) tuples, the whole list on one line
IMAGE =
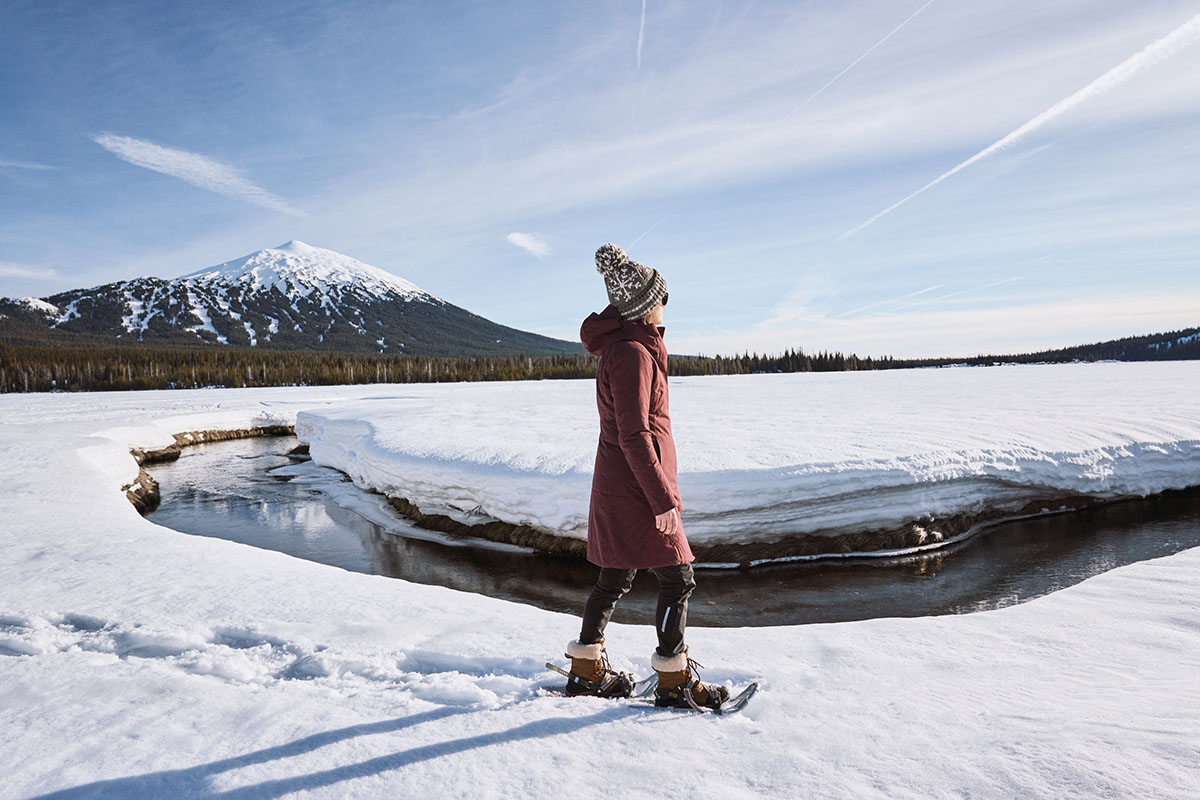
[(600, 330)]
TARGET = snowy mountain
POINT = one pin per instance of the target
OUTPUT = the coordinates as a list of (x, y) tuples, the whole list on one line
[(294, 296)]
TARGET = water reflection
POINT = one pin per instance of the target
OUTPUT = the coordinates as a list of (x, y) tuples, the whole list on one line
[(226, 490)]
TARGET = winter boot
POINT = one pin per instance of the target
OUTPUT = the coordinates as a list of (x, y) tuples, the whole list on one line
[(675, 675), (591, 674)]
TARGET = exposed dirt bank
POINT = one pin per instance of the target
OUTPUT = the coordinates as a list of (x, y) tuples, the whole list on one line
[(182, 440), (927, 534), (540, 539), (917, 534), (143, 492)]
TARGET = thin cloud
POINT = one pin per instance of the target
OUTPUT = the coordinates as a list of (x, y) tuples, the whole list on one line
[(193, 168), (889, 301), (1016, 327), (642, 235), (960, 293), (809, 299), (849, 67), (6, 164), (9, 269), (1183, 36), (529, 242), (641, 35)]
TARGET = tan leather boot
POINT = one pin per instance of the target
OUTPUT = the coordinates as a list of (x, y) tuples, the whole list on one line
[(675, 675), (591, 674)]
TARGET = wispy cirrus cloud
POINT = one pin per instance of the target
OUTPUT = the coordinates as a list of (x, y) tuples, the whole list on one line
[(530, 242), (1016, 325), (10, 269), (10, 164), (193, 168), (888, 301), (641, 35), (1182, 37), (848, 67)]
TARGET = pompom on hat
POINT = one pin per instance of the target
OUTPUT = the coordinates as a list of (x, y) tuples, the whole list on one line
[(633, 288)]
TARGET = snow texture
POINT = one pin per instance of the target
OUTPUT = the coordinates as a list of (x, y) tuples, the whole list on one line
[(139, 662), (201, 313), (765, 455), (38, 304), (270, 280), (297, 269)]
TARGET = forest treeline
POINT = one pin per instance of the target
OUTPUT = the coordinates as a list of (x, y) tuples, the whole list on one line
[(41, 368), (35, 368)]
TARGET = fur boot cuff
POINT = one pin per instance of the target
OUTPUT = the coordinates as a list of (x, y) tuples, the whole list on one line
[(577, 650), (676, 663)]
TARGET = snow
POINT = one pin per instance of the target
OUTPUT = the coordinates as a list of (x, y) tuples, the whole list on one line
[(1181, 340), (766, 455), (298, 269), (201, 313), (136, 661), (139, 316), (37, 304), (69, 313)]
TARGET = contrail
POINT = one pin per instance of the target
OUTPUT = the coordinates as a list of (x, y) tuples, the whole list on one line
[(873, 48), (652, 227), (1167, 46), (956, 294), (889, 300), (23, 165), (641, 34)]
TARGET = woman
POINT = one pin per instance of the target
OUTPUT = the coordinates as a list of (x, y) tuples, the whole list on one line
[(634, 520)]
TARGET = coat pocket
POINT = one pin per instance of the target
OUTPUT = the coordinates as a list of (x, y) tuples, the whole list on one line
[(657, 451)]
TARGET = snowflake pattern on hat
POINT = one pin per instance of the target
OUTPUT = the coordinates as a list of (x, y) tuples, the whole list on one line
[(632, 287)]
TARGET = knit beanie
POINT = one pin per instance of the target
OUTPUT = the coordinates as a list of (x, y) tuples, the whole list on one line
[(632, 287)]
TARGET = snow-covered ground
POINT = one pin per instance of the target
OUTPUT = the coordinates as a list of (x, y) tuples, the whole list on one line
[(136, 661), (764, 456)]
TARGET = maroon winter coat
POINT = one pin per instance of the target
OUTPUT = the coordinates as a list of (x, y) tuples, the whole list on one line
[(634, 478)]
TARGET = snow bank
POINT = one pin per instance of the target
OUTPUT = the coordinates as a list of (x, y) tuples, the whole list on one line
[(765, 457), (136, 661)]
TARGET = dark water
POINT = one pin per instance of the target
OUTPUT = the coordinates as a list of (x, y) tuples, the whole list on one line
[(225, 490)]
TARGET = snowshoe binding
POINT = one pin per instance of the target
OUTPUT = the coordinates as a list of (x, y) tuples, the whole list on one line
[(679, 688), (591, 674)]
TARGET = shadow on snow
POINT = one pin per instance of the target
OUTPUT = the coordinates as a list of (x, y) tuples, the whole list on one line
[(193, 781)]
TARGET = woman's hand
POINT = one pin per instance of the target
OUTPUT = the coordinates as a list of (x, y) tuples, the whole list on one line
[(668, 522)]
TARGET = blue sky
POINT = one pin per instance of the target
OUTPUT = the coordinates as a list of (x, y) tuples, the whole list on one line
[(484, 150)]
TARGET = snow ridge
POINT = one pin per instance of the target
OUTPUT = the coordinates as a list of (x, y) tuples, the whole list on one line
[(244, 301), (40, 305), (994, 440), (297, 270)]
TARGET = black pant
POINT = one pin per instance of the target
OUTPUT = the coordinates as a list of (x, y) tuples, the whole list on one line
[(675, 584)]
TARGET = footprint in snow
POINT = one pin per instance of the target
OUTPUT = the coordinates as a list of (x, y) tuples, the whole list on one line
[(241, 655)]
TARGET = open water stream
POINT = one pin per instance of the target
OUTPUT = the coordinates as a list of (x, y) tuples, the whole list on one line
[(235, 490)]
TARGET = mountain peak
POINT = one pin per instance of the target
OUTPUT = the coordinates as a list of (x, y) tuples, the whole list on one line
[(291, 297), (297, 268)]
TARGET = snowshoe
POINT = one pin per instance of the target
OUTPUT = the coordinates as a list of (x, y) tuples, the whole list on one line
[(591, 674), (679, 688)]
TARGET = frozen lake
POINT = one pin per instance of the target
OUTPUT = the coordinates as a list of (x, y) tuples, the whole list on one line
[(226, 490)]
